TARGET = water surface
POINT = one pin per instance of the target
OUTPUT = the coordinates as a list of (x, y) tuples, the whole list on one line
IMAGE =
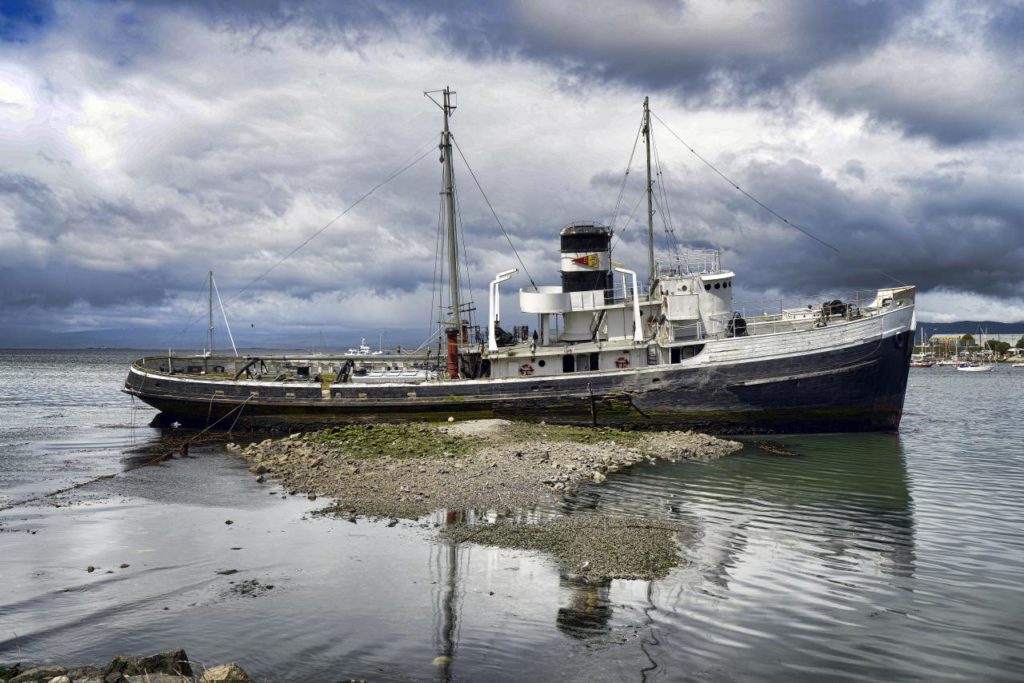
[(866, 557)]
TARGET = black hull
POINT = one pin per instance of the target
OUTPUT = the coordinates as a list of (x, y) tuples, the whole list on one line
[(860, 388)]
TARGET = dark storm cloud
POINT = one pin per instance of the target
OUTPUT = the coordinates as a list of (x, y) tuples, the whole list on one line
[(738, 54), (942, 233), (741, 54), (1006, 25), (220, 135), (736, 61), (776, 45), (41, 271), (61, 285)]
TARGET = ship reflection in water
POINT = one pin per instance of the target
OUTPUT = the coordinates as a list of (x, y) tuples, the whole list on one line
[(586, 609), (820, 542)]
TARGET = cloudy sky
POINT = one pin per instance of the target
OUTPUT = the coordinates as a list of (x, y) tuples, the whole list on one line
[(143, 144)]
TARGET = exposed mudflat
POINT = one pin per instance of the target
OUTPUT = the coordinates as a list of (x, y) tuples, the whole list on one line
[(410, 470)]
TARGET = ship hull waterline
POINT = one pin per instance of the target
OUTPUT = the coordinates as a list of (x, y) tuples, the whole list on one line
[(858, 388)]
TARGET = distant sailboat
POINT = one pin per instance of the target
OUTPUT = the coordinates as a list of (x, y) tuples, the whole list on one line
[(968, 366)]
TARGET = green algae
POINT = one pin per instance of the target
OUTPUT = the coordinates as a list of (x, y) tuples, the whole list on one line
[(395, 440), (590, 547)]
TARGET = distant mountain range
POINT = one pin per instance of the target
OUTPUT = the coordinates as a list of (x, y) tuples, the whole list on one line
[(972, 327)]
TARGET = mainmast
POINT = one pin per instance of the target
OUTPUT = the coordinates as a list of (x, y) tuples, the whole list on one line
[(650, 197)]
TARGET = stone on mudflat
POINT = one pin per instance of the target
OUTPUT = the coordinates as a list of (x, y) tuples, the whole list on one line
[(167, 662), (158, 678), (225, 673), (86, 674), (39, 674)]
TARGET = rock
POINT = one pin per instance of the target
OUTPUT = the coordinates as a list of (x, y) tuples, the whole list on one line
[(60, 679), (228, 521), (225, 673), (158, 678), (258, 469), (124, 565), (598, 477), (86, 674), (168, 662), (39, 674)]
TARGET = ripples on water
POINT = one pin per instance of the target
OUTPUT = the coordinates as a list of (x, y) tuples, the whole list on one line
[(864, 558)]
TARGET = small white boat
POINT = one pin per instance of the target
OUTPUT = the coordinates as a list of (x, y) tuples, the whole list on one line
[(974, 367)]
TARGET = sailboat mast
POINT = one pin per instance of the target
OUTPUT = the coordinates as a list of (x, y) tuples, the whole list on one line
[(449, 196), (650, 197), (209, 317)]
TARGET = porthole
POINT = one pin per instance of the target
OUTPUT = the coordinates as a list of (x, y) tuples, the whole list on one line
[(707, 288), (684, 288), (541, 362), (717, 285)]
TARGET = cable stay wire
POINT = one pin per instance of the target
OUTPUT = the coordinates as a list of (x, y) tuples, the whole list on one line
[(770, 210), (436, 292), (401, 169), (227, 326), (469, 304), (661, 199), (625, 176), (410, 162), (629, 219), (193, 316), (493, 212)]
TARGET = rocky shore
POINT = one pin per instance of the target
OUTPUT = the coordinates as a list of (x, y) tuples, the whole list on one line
[(410, 470), (170, 666)]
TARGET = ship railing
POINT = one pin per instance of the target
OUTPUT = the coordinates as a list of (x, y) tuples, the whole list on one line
[(690, 262), (299, 368), (769, 316)]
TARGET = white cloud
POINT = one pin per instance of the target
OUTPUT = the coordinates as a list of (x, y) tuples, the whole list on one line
[(185, 147), (944, 306)]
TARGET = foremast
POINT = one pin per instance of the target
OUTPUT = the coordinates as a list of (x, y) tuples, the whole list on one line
[(454, 323)]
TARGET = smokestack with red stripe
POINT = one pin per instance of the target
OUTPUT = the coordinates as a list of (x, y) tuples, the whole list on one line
[(586, 258)]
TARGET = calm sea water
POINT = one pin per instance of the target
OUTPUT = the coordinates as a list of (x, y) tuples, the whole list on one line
[(869, 557)]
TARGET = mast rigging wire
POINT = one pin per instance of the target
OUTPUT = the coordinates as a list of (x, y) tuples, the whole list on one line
[(625, 177), (402, 169), (768, 208), (405, 166), (493, 213), (460, 236), (225, 316)]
